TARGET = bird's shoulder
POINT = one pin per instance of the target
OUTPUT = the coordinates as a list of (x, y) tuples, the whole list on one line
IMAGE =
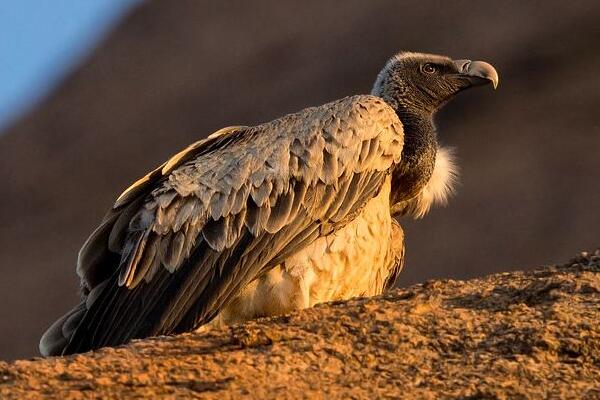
[(357, 117), (356, 132)]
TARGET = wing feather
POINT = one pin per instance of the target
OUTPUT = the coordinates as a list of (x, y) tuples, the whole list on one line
[(130, 264)]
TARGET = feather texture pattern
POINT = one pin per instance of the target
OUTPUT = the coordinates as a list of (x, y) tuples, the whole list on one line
[(183, 241)]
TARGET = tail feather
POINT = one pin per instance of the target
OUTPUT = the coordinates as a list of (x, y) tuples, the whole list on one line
[(56, 338)]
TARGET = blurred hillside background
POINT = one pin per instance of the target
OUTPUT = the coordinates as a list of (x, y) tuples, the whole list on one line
[(133, 82)]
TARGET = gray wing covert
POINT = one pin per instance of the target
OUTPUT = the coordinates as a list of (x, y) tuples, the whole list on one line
[(187, 242)]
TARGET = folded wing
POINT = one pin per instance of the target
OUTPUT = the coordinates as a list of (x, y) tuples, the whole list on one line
[(185, 239)]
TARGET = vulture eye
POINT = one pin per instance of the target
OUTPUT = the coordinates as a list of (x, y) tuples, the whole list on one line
[(429, 68)]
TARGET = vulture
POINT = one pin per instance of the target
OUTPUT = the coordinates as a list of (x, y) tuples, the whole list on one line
[(256, 221)]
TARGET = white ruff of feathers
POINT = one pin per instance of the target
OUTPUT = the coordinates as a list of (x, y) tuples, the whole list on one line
[(440, 186)]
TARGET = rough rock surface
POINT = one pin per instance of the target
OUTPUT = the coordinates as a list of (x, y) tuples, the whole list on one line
[(514, 335)]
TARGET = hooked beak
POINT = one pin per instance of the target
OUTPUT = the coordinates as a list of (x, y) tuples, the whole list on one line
[(477, 72)]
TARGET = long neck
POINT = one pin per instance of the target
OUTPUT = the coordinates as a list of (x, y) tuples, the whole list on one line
[(418, 155)]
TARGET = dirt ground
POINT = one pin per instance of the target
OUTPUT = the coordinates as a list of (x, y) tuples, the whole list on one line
[(520, 335)]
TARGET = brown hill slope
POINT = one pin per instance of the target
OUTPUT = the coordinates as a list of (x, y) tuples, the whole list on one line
[(520, 335)]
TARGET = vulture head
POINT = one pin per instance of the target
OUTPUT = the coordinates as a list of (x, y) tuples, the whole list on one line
[(422, 83), (416, 85)]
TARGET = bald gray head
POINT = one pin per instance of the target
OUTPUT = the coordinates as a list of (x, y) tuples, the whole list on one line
[(418, 83)]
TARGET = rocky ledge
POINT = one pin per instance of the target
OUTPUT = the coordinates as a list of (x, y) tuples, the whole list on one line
[(515, 335)]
